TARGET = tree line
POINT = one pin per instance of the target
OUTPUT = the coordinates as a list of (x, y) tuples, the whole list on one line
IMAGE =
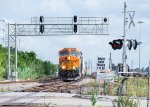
[(29, 66)]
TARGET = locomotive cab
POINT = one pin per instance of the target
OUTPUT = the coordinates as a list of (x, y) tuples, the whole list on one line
[(70, 64)]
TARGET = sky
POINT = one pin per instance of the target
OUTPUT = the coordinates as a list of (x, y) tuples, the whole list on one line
[(21, 11)]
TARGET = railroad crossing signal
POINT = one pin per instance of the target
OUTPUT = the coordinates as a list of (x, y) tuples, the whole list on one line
[(116, 44), (129, 45), (132, 44), (131, 18)]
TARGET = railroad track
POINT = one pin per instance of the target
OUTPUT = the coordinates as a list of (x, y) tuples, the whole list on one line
[(55, 85), (28, 81), (13, 82), (48, 85)]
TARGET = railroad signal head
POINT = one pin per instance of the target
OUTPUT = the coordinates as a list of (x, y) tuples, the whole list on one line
[(42, 28), (41, 19), (75, 18), (105, 19), (75, 28), (116, 44)]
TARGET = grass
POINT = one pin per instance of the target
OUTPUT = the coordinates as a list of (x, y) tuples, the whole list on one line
[(94, 97), (135, 87), (92, 84), (124, 101), (4, 90)]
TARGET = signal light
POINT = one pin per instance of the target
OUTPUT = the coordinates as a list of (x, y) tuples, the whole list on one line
[(75, 19), (129, 44), (41, 25), (41, 19), (75, 28), (116, 44), (134, 44), (105, 19), (42, 28)]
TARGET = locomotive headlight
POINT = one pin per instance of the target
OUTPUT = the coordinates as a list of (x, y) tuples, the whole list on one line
[(74, 67), (63, 67), (69, 58)]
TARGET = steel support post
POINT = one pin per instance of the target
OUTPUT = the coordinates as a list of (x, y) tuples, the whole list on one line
[(140, 22), (16, 57), (124, 50), (8, 77), (148, 97)]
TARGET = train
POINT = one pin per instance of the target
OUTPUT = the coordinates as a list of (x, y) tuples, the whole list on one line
[(71, 64)]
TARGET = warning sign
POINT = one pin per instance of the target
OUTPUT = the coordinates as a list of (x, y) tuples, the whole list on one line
[(101, 63)]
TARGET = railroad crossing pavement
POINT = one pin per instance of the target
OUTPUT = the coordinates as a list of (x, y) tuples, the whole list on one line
[(23, 99)]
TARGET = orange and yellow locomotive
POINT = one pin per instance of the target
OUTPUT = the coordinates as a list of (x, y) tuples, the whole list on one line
[(70, 64)]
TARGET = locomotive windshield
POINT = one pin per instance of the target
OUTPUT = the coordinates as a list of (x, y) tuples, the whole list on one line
[(64, 53), (74, 53)]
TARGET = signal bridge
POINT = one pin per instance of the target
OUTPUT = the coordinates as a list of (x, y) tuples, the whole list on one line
[(54, 26)]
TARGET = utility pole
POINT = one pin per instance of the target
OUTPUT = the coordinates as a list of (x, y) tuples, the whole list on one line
[(140, 22)]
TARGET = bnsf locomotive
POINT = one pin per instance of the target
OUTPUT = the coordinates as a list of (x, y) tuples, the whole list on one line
[(70, 64)]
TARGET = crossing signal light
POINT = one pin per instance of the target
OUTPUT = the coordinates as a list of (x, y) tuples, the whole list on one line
[(116, 44), (134, 44), (75, 28), (75, 19), (129, 44), (42, 28)]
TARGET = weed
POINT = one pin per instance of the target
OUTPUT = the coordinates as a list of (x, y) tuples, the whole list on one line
[(124, 101), (47, 105), (94, 97)]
